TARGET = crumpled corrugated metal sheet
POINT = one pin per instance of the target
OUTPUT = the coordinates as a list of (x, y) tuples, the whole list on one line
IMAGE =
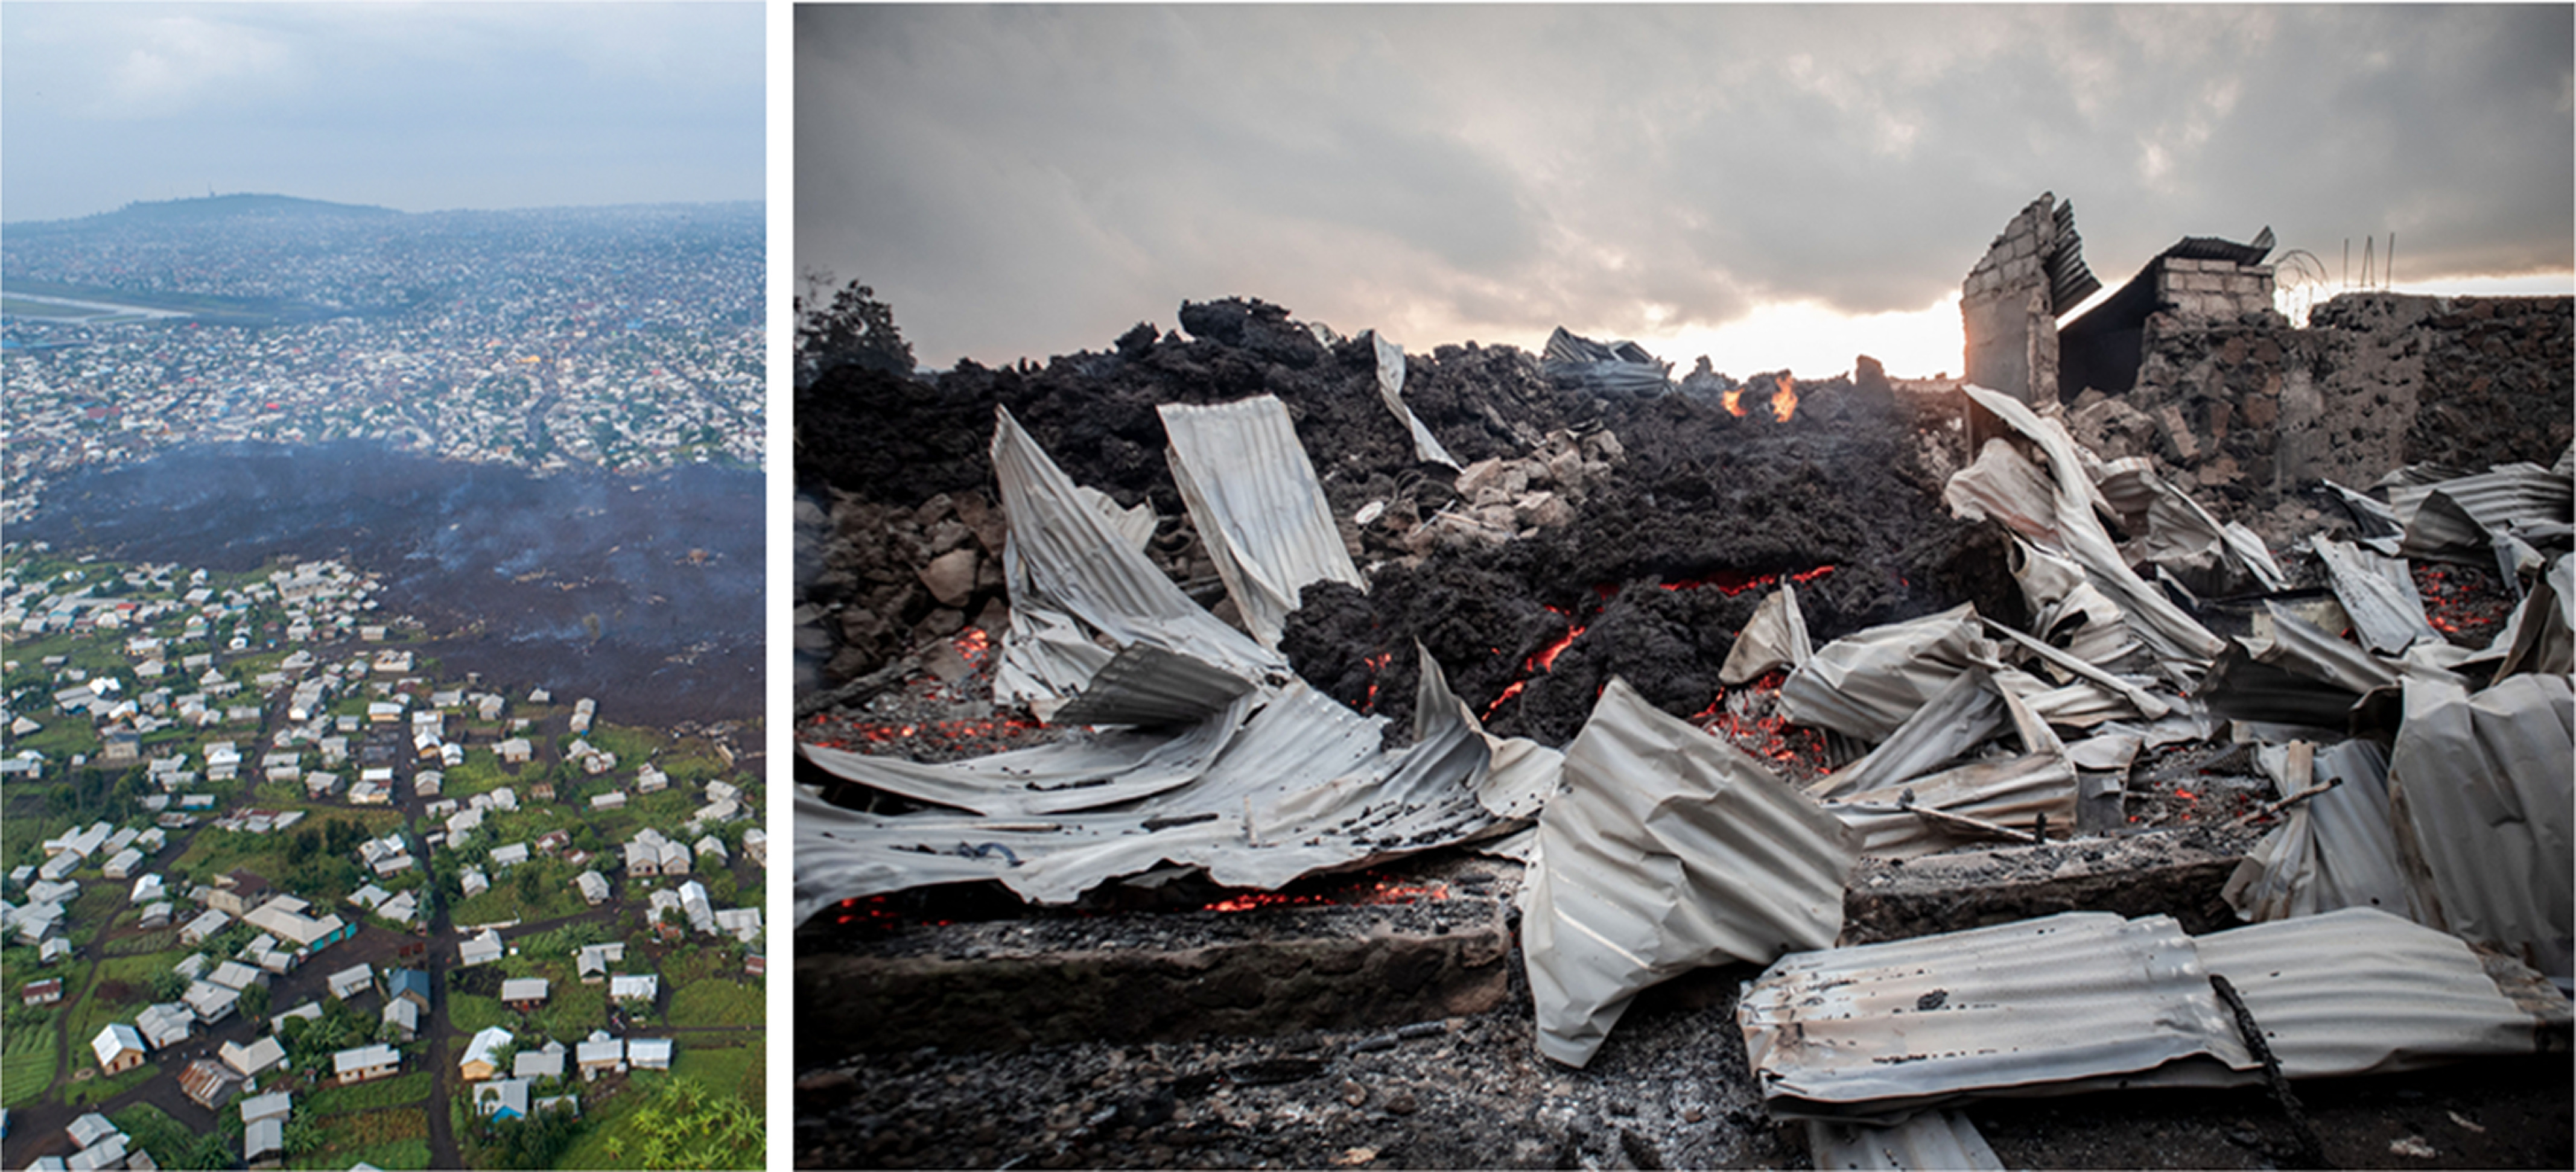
[(2360, 991), (2057, 510), (2332, 851), (2374, 524), (1071, 573), (1775, 637), (1963, 714), (2542, 634), (2175, 532), (1390, 387), (1905, 820), (2479, 508), (1113, 767), (1260, 512), (1931, 1140), (1884, 1030), (1299, 787), (2086, 1000), (2484, 792), (2071, 613), (1147, 686), (2377, 592), (1669, 849), (1867, 683), (1617, 366)]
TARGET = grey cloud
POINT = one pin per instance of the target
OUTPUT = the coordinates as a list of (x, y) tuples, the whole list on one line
[(1029, 181)]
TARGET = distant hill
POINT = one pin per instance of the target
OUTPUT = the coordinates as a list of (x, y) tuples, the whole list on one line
[(216, 208)]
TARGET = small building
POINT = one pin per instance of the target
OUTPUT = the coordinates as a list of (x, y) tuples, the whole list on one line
[(273, 1105), (211, 1002), (473, 882), (481, 949), (634, 987), (591, 961), (119, 1048), (502, 1098), (600, 1055), (506, 857), (524, 994), (649, 1053), (546, 1061), (366, 1064), (351, 981), (483, 1055), (408, 985), (207, 923), (44, 992), (264, 1143), (209, 1083), (166, 1024), (404, 1017), (593, 887), (263, 1052)]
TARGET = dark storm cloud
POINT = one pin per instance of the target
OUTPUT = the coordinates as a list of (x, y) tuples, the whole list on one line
[(1031, 180), (413, 106)]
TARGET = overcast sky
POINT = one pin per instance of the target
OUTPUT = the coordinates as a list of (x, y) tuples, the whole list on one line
[(420, 107), (1032, 181)]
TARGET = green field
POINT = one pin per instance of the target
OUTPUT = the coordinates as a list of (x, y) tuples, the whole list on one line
[(27, 1056)]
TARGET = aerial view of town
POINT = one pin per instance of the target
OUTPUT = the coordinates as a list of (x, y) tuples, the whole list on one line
[(383, 774)]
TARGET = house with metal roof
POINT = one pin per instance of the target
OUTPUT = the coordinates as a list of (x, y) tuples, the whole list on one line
[(366, 1063), (119, 1048)]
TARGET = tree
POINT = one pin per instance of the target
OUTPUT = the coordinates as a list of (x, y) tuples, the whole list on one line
[(854, 329), (254, 1000)]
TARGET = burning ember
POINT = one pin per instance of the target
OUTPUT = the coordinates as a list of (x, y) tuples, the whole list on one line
[(1748, 718), (2463, 602)]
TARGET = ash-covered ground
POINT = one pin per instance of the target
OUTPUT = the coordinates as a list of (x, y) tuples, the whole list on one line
[(641, 591)]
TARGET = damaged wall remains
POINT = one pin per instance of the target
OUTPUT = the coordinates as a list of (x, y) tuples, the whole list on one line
[(2190, 366), (2033, 272), (2249, 411)]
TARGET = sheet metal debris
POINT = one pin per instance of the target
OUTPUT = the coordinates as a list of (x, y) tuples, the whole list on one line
[(1616, 366), (1931, 1140), (1867, 683), (1072, 576), (2484, 792), (2332, 851), (1669, 849), (1390, 387), (2376, 591), (1260, 512), (2072, 1001), (1774, 638), (2088, 1000), (1294, 784)]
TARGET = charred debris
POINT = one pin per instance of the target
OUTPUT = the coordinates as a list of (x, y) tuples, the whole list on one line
[(1233, 610)]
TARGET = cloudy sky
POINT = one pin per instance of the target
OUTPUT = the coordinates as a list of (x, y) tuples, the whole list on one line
[(420, 107), (1775, 186)]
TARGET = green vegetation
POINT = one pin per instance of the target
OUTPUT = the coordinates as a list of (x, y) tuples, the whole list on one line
[(27, 1042), (471, 1014), (396, 1137), (383, 1092), (671, 1121), (718, 1003), (173, 1144)]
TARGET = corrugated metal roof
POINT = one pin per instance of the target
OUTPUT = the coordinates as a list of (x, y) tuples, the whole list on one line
[(1775, 637), (2057, 511), (2360, 991), (1882, 1030), (1110, 768), (2484, 790), (1260, 512), (1390, 387), (2332, 851), (2542, 634), (1965, 713), (1150, 687), (1299, 787), (1067, 568), (1670, 849), (1617, 366), (2379, 595), (1867, 683), (2459, 517), (2015, 792), (1932, 1140)]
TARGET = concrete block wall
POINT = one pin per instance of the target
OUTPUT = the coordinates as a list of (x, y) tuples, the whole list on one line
[(2213, 288), (2012, 335)]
